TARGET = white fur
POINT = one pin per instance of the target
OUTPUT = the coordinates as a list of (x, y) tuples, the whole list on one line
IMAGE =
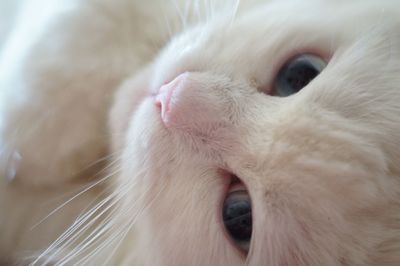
[(321, 166)]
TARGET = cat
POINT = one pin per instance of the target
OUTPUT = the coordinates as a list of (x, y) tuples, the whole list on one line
[(201, 133)]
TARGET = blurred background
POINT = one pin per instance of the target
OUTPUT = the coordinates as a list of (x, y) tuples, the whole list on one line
[(8, 10)]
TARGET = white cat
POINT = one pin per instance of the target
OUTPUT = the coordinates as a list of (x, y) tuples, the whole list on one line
[(263, 133)]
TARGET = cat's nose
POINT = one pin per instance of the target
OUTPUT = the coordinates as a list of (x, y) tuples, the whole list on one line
[(195, 102), (168, 95)]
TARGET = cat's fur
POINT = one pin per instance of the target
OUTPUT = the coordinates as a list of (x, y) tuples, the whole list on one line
[(322, 166)]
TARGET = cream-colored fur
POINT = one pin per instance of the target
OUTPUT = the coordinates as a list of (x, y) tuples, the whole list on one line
[(321, 166)]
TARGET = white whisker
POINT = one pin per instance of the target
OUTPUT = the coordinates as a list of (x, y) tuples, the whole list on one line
[(116, 197), (234, 11), (131, 224), (71, 199), (180, 13)]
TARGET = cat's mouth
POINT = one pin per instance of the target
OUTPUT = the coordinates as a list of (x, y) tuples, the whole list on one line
[(237, 214)]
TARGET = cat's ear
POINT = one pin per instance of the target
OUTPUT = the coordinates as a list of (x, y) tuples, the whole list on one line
[(126, 100)]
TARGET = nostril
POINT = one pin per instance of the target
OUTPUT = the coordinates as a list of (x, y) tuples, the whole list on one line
[(167, 95), (163, 98)]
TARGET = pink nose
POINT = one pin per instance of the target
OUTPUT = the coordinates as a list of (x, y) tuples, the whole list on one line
[(167, 97)]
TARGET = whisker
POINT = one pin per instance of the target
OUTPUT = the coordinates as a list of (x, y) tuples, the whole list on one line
[(96, 236), (168, 26), (234, 11), (98, 161), (197, 10), (133, 222), (121, 234), (180, 14), (71, 230), (187, 11), (71, 199), (116, 197)]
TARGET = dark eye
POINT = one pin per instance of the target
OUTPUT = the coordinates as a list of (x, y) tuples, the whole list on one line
[(237, 216), (297, 73)]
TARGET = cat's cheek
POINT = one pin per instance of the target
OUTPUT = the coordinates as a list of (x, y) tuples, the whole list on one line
[(147, 143), (127, 102)]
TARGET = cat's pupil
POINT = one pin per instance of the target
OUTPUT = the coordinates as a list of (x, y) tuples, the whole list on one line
[(298, 76), (237, 216), (297, 73)]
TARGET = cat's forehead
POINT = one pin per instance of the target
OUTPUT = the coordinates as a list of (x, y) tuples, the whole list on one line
[(256, 42)]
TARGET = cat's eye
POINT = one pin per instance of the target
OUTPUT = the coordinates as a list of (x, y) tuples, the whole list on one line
[(237, 216), (297, 73)]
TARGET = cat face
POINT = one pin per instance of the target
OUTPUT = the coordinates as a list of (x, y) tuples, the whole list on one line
[(317, 162)]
